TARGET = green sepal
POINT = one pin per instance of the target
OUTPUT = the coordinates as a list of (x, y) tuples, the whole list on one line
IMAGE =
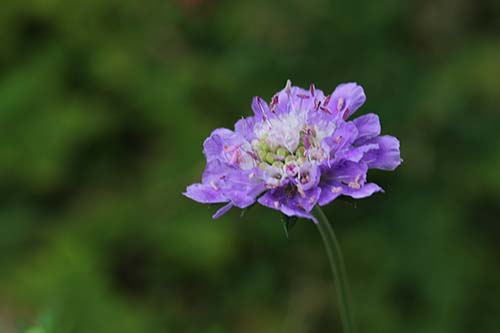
[(288, 223)]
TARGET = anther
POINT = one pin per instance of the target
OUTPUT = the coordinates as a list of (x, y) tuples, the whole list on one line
[(340, 104), (288, 87), (336, 189), (354, 185), (312, 89)]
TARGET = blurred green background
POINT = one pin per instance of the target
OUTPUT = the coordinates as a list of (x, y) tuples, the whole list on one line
[(104, 106)]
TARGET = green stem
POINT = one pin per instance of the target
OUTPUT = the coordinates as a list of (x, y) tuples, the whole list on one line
[(338, 268)]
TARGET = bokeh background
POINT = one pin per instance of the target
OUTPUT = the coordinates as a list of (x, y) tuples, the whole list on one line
[(104, 106)]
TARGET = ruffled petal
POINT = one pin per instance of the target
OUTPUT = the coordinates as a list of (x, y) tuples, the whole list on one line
[(205, 194), (310, 198), (387, 157), (342, 179), (357, 153), (229, 147), (290, 204), (214, 144), (331, 191), (345, 172), (309, 176), (240, 187), (260, 108), (347, 98), (341, 140), (368, 127), (244, 127), (292, 98), (363, 192)]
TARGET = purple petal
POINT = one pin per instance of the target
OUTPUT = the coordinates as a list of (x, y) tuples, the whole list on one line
[(345, 172), (288, 204), (365, 191), (240, 187), (229, 147), (244, 127), (387, 157), (204, 194), (223, 210), (342, 179), (347, 98), (310, 198), (331, 191), (214, 144), (244, 197), (310, 175), (260, 108), (342, 138), (357, 153), (295, 98), (368, 127)]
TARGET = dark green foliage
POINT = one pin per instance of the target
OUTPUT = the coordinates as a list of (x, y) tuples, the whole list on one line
[(104, 106)]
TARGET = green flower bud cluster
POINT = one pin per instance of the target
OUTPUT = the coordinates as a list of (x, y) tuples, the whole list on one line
[(277, 157)]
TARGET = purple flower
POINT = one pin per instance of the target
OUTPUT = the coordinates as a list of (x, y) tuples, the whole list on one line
[(298, 151)]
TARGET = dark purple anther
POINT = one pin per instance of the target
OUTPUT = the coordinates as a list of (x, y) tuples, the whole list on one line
[(312, 89), (274, 102)]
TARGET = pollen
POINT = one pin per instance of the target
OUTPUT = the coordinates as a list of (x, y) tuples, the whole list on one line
[(340, 104), (214, 186), (336, 189), (354, 185)]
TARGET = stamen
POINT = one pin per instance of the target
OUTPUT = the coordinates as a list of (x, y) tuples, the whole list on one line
[(301, 191), (340, 104), (312, 89), (259, 102), (327, 100), (229, 149), (354, 185), (327, 110), (317, 103), (288, 91), (336, 189), (252, 155), (214, 186), (307, 143), (236, 158), (346, 114), (288, 87), (274, 102)]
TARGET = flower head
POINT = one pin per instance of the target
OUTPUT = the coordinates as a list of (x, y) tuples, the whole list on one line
[(295, 152)]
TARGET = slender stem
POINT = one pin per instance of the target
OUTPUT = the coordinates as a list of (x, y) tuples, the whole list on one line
[(338, 268)]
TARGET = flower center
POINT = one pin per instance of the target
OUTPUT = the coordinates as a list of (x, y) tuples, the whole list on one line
[(287, 146)]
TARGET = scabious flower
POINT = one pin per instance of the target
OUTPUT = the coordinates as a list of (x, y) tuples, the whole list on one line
[(299, 151)]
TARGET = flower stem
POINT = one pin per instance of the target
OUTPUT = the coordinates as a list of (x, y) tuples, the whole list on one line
[(338, 268)]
